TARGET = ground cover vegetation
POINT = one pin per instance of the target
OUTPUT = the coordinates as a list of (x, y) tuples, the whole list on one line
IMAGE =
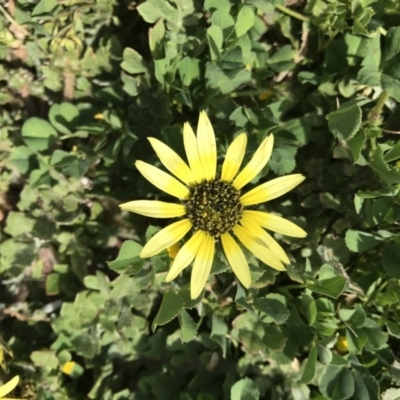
[(84, 84)]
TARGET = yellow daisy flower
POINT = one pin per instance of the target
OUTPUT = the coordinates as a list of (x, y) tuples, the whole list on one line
[(9, 387), (213, 207)]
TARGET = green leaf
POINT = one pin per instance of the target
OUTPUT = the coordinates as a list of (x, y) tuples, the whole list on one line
[(309, 308), (250, 332), (378, 164), (171, 306), (152, 10), (62, 117), (245, 20), (392, 44), (188, 326), (40, 177), (332, 287), (18, 223), (345, 121), (355, 317), (61, 158), (245, 389), (282, 161), (391, 260), (38, 134), (218, 333), (369, 76), (224, 21), (376, 337), (330, 201), (274, 339), (128, 258), (133, 62), (393, 329), (21, 158), (337, 383), (14, 256), (366, 386), (188, 302), (356, 144), (52, 286), (188, 70), (358, 241), (76, 169), (156, 37), (393, 154), (285, 55), (215, 40), (310, 365), (356, 340), (45, 359), (85, 345), (44, 7), (273, 306), (391, 85), (360, 25), (324, 354), (228, 80)]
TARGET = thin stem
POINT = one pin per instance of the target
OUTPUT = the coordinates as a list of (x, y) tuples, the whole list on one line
[(391, 132), (7, 15), (292, 13), (376, 111), (246, 93)]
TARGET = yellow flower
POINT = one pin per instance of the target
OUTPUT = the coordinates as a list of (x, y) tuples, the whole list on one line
[(341, 344), (212, 206), (9, 387), (265, 95), (68, 367)]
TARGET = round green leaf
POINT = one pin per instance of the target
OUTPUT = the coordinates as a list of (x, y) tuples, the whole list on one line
[(358, 241), (245, 389), (245, 20), (337, 383), (37, 133)]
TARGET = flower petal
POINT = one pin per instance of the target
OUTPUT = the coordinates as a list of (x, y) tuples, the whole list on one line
[(261, 252), (9, 386), (272, 189), (162, 180), (172, 161), (154, 208), (166, 238), (192, 153), (185, 255), (234, 157), (236, 259), (256, 164), (265, 238), (274, 223), (202, 266), (206, 146)]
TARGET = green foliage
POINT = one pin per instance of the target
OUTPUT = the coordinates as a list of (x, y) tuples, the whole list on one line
[(84, 83)]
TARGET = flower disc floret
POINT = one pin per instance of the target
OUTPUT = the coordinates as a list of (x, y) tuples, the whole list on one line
[(214, 207)]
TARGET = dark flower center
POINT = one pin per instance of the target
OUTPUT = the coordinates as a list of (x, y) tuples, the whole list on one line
[(214, 207)]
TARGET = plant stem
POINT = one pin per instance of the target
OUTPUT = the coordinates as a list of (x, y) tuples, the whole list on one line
[(375, 113), (292, 13), (7, 16), (245, 93)]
